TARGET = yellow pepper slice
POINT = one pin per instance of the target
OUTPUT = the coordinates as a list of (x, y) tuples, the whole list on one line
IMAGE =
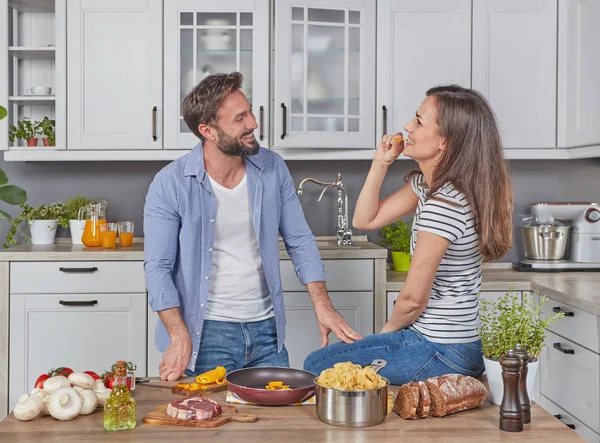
[(216, 375), (277, 386)]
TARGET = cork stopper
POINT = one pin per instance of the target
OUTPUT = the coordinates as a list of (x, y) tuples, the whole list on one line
[(121, 369)]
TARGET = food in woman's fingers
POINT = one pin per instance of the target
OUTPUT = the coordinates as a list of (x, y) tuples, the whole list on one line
[(399, 138)]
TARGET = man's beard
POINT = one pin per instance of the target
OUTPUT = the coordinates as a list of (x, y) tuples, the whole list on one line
[(232, 146)]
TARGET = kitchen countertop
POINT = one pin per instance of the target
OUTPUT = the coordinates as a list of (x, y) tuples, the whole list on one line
[(66, 251), (291, 424), (578, 289)]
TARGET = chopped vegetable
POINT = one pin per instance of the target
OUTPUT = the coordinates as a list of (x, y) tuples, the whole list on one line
[(216, 375)]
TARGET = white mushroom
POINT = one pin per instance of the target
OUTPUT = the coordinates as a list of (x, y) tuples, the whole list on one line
[(81, 379), (65, 404), (90, 401), (55, 383), (102, 392), (45, 396), (28, 407)]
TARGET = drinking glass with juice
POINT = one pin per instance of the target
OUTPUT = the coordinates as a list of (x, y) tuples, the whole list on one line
[(109, 235), (126, 233)]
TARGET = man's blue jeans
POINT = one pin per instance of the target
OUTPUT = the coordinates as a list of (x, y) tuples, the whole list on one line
[(239, 345), (409, 356)]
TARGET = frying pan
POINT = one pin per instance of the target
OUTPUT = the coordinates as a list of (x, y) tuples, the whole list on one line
[(249, 385)]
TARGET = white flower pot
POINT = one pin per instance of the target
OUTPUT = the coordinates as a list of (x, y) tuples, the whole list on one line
[(76, 227), (42, 231), (494, 377)]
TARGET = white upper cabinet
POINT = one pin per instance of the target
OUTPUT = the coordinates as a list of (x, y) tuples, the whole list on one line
[(324, 74), (579, 74), (420, 44), (203, 38), (114, 67), (514, 66)]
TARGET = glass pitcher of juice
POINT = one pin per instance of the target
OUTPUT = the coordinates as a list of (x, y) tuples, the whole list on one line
[(94, 215)]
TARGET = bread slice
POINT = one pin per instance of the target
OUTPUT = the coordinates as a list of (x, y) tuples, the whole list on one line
[(407, 401), (454, 393), (424, 400)]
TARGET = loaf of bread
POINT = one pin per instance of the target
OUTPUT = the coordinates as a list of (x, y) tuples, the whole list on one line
[(439, 396), (454, 393)]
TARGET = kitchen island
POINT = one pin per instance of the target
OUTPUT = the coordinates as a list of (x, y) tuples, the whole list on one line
[(289, 424)]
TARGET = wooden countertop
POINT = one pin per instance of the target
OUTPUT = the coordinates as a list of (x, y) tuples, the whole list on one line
[(578, 289), (66, 251), (290, 424)]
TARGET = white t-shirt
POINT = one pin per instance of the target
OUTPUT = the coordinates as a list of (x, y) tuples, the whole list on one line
[(238, 290), (452, 314)]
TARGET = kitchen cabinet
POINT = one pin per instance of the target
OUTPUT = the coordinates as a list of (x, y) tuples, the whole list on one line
[(514, 66), (419, 45), (324, 74), (114, 66), (74, 315), (570, 368), (202, 39)]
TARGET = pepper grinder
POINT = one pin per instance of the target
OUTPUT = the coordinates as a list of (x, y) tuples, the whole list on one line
[(523, 395), (511, 413)]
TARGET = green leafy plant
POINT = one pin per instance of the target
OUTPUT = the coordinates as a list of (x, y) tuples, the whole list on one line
[(53, 211), (47, 128), (26, 130), (71, 209), (396, 236), (509, 321), (10, 194)]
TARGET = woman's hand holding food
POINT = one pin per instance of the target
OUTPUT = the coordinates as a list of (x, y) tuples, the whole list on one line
[(390, 147)]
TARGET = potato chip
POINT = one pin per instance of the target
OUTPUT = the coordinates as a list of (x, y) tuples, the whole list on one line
[(350, 377)]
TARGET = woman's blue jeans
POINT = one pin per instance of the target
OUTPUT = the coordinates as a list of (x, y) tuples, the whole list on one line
[(409, 356)]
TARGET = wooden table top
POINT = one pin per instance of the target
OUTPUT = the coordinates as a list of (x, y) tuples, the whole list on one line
[(288, 424)]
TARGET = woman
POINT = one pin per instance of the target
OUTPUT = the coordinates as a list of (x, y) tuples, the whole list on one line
[(463, 202)]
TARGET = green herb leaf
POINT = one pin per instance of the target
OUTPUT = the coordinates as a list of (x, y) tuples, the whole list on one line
[(13, 195)]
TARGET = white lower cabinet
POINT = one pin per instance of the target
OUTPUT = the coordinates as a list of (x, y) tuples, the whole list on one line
[(81, 331), (570, 421), (154, 357), (302, 331)]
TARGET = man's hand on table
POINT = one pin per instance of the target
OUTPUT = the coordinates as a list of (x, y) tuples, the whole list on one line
[(176, 358)]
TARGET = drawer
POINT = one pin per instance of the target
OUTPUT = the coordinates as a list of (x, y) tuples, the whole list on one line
[(571, 379), (570, 421), (77, 277), (578, 326), (342, 275)]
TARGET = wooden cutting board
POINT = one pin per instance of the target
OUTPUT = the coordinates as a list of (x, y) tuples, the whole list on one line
[(209, 389), (159, 416)]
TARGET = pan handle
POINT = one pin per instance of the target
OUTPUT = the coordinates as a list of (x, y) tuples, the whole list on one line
[(378, 364)]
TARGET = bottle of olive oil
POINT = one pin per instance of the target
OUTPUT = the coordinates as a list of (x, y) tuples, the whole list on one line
[(119, 409)]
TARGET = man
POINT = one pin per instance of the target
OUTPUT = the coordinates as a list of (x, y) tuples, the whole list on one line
[(211, 225)]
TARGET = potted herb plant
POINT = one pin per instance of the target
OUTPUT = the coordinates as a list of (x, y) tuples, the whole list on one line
[(70, 216), (42, 223), (47, 128), (10, 194), (396, 237), (26, 130), (506, 322)]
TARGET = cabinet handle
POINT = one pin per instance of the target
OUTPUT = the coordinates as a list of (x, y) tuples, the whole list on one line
[(261, 114), (384, 112), (154, 111), (558, 347), (558, 416), (567, 313), (80, 270), (78, 302), (284, 121)]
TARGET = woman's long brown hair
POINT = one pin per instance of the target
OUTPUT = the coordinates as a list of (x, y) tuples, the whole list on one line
[(474, 163)]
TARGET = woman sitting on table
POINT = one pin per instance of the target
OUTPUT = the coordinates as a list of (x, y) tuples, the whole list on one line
[(462, 199)]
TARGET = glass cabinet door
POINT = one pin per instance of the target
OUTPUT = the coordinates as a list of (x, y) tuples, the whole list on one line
[(200, 41), (325, 75)]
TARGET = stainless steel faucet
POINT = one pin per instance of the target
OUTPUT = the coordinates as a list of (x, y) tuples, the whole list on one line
[(343, 231)]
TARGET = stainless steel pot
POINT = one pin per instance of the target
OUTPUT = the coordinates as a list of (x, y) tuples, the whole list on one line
[(545, 241), (352, 409)]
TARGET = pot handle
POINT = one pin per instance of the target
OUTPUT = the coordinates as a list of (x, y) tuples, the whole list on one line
[(378, 364), (551, 235)]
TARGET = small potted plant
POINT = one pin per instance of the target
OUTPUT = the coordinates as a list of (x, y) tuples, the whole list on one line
[(42, 222), (26, 130), (70, 216), (46, 128), (506, 322), (396, 237)]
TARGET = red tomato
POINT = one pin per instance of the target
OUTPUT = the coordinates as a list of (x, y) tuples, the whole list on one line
[(39, 383), (109, 381), (92, 374), (63, 371)]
